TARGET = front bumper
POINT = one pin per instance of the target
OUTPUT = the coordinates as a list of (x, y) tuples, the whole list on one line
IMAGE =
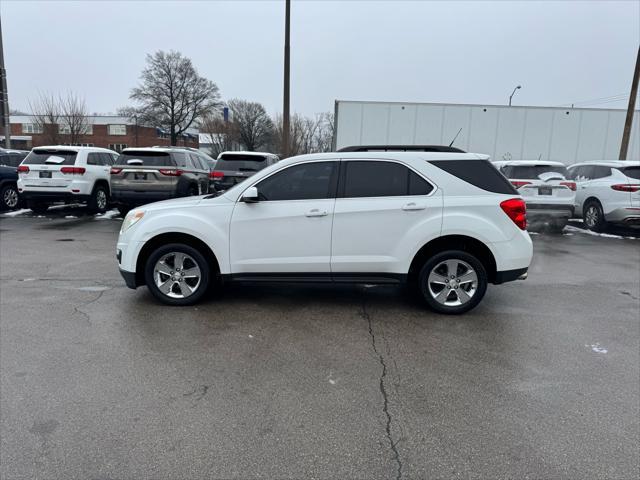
[(129, 278)]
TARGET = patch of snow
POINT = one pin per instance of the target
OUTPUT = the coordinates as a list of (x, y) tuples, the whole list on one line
[(97, 288), (70, 216), (534, 233), (595, 234), (597, 348), (107, 215), (22, 211), (250, 336)]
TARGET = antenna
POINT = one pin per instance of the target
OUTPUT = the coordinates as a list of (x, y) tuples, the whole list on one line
[(454, 138)]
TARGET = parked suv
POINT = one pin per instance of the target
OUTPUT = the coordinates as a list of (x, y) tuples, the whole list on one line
[(235, 167), (12, 158), (608, 192), (64, 173), (543, 185), (144, 175), (448, 222)]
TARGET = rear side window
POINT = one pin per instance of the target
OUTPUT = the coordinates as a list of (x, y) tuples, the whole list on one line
[(301, 182), (149, 159), (51, 157), (241, 163), (94, 158), (181, 159), (600, 171), (532, 172), (479, 173), (381, 179), (631, 172)]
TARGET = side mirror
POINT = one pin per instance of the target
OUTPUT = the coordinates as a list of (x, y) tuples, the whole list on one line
[(250, 195)]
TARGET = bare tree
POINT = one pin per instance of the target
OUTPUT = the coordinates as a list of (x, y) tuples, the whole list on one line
[(172, 95), (306, 135), (74, 122), (323, 139), (221, 134), (255, 127), (45, 115)]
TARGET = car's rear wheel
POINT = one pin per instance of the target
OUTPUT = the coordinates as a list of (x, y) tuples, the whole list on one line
[(193, 191), (9, 198), (99, 200), (593, 216), (453, 282), (177, 274), (37, 207)]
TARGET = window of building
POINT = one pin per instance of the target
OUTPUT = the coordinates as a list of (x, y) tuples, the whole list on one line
[(382, 179), (117, 129), (65, 129), (118, 147), (301, 182), (31, 128)]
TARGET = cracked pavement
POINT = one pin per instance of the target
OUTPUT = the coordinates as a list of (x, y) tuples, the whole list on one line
[(542, 380)]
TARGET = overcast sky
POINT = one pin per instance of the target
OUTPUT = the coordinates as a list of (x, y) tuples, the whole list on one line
[(459, 52)]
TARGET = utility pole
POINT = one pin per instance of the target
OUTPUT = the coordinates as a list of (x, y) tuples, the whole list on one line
[(5, 95), (626, 133), (285, 107)]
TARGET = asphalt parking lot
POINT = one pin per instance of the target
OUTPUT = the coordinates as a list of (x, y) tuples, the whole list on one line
[(542, 380)]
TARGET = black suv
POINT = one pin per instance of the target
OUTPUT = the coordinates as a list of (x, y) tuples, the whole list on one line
[(145, 175), (235, 167), (9, 198)]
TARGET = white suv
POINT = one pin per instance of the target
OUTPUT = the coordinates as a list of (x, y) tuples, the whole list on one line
[(608, 192), (64, 173), (543, 185), (450, 222)]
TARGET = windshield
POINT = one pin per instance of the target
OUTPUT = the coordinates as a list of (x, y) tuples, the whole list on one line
[(148, 159), (240, 162), (532, 172), (51, 157), (631, 172)]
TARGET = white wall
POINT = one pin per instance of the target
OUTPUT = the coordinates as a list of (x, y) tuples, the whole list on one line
[(561, 134)]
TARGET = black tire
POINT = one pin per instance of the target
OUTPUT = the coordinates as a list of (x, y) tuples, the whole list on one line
[(124, 209), (435, 264), (192, 191), (37, 207), (9, 197), (176, 288), (593, 216), (99, 200)]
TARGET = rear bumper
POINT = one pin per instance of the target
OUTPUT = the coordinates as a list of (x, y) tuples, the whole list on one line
[(625, 215), (132, 197), (53, 196), (511, 275), (549, 210)]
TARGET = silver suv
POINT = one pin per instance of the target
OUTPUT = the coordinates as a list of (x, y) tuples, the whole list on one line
[(145, 175)]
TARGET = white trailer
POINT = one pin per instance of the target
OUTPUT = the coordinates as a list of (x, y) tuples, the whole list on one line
[(567, 135)]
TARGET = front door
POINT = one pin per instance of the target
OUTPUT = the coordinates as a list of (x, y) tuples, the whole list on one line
[(289, 229)]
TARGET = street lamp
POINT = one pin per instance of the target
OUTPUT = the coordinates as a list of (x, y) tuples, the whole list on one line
[(513, 93)]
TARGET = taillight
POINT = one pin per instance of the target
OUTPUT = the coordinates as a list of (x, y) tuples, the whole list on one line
[(519, 183), (115, 171), (73, 170), (626, 187), (23, 169), (516, 210), (171, 172), (569, 185), (216, 174)]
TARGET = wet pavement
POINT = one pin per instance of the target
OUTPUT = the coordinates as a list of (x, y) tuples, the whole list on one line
[(542, 380)]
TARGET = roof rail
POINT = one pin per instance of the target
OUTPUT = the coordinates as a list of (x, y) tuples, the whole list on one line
[(401, 148)]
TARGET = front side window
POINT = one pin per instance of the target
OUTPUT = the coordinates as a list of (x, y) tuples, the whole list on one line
[(382, 179), (117, 129), (301, 182)]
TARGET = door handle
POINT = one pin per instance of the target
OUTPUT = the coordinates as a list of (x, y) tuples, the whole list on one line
[(316, 213), (413, 206)]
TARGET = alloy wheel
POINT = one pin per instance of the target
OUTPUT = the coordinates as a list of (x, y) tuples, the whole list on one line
[(591, 216), (452, 282), (101, 199), (177, 275), (10, 198)]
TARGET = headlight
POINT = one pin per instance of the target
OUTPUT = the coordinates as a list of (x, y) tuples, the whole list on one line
[(131, 219)]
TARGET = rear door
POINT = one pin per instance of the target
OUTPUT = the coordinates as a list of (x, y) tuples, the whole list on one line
[(233, 168), (382, 208), (144, 172), (48, 167)]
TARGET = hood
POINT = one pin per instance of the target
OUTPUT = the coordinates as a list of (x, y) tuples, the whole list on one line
[(183, 202)]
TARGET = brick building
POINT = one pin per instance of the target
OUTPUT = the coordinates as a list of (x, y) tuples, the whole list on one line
[(105, 131)]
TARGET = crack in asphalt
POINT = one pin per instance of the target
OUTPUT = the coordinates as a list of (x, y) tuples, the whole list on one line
[(383, 391), (87, 317)]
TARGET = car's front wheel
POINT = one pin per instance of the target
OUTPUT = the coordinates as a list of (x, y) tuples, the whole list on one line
[(177, 274), (453, 282)]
